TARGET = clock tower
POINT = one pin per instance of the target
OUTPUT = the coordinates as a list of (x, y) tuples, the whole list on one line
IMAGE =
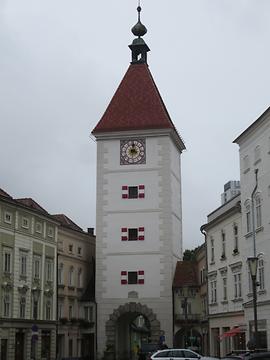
[(139, 217)]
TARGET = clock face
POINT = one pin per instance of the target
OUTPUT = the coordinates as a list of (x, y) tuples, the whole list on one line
[(132, 151)]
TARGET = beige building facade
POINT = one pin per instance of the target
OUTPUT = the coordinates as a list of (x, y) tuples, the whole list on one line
[(76, 306), (28, 251)]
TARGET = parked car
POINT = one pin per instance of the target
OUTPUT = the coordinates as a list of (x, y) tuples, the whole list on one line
[(175, 354), (259, 356)]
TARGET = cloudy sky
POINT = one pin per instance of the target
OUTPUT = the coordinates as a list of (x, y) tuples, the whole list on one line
[(62, 60)]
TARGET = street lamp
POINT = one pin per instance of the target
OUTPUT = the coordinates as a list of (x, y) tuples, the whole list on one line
[(253, 265)]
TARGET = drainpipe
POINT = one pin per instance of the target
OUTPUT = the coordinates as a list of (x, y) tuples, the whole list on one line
[(252, 211), (206, 269)]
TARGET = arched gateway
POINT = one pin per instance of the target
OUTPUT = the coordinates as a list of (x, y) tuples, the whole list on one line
[(121, 328)]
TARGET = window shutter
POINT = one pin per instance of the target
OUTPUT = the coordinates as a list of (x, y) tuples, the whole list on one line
[(141, 191), (141, 233), (124, 192), (124, 278), (141, 277), (124, 236)]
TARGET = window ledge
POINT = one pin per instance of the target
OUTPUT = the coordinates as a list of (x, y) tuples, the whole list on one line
[(247, 235), (262, 292), (23, 277), (212, 263), (250, 294), (237, 300), (223, 258), (224, 302), (61, 286), (259, 229), (246, 171), (213, 304), (235, 252), (71, 287)]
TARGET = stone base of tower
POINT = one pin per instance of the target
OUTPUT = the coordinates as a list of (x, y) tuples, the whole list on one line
[(114, 319)]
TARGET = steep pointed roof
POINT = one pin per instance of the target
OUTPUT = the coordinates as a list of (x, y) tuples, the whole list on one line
[(136, 104), (29, 202), (185, 274), (67, 222), (4, 194)]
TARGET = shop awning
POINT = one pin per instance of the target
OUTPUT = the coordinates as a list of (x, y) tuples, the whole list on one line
[(232, 332)]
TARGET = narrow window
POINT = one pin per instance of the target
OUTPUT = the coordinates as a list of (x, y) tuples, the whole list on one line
[(133, 192), (258, 206), (237, 286), (132, 277), (23, 264), (60, 274), (235, 233), (224, 280), (71, 276), (223, 237), (132, 234), (212, 250), (248, 218), (6, 304), (261, 273), (22, 307), (48, 310)]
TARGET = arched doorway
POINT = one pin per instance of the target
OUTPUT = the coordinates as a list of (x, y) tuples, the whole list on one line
[(191, 338), (129, 326)]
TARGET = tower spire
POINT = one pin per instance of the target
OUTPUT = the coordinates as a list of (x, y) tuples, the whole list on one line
[(138, 47)]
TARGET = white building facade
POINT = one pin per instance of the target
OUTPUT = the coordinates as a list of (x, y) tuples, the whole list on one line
[(139, 218), (254, 151)]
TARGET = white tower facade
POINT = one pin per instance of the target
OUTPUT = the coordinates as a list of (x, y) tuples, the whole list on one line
[(139, 217)]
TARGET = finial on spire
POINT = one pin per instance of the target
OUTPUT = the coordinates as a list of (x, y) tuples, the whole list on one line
[(138, 47)]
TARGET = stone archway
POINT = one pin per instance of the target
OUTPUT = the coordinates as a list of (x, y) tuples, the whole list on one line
[(135, 308)]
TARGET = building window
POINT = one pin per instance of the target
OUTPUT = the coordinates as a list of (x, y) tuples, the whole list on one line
[(70, 347), (237, 286), (132, 234), (23, 264), (6, 304), (60, 310), (71, 276), (248, 217), (79, 251), (223, 245), (7, 217), (49, 269), (70, 248), (133, 192), (25, 223), (213, 291), (212, 250), (80, 278), (235, 234), (88, 313), (50, 232), (258, 207), (60, 274), (70, 311), (38, 227), (35, 308), (22, 307), (132, 277), (224, 282), (246, 163), (7, 261), (257, 154), (48, 310), (261, 273), (36, 267)]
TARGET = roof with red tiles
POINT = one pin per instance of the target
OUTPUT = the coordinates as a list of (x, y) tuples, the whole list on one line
[(67, 222), (4, 194), (185, 274), (29, 202), (136, 104)]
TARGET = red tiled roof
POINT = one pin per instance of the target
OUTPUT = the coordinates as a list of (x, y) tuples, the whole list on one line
[(185, 274), (66, 221), (32, 204), (4, 194), (136, 104)]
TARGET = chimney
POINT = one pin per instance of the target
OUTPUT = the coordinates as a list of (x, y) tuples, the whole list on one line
[(90, 231)]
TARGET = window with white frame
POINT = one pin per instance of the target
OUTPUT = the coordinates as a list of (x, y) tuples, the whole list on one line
[(257, 154), (88, 313), (248, 216), (36, 267), (38, 227), (246, 163), (23, 263), (7, 217), (79, 285), (213, 291), (6, 304), (25, 222), (132, 277), (71, 276), (49, 269), (235, 235), (223, 244), (132, 234), (7, 260), (22, 307), (60, 274), (261, 273), (258, 207), (224, 283), (133, 192), (48, 310), (212, 249), (237, 285)]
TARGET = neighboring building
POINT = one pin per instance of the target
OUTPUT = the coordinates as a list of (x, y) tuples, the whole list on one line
[(254, 150), (231, 189), (139, 218), (76, 307), (190, 303), (226, 270), (28, 251)]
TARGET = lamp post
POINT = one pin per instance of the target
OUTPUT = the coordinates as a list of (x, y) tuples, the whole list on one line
[(253, 265)]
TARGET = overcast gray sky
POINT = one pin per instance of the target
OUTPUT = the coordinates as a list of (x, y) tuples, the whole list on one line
[(62, 60)]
